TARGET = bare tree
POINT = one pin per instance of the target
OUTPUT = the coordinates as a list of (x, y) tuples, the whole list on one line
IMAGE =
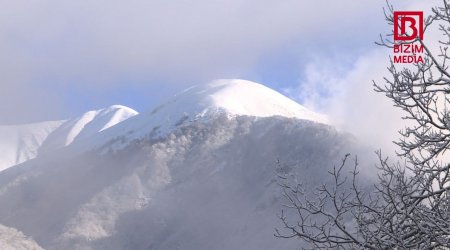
[(409, 208)]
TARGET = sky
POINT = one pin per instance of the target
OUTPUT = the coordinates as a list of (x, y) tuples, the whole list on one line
[(61, 58)]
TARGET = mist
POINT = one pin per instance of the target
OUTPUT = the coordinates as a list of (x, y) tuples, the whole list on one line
[(62, 58)]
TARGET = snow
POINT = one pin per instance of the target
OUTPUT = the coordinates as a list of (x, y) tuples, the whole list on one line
[(241, 97), (234, 97), (87, 125), (12, 239), (114, 115), (207, 185), (19, 143), (197, 172), (201, 103)]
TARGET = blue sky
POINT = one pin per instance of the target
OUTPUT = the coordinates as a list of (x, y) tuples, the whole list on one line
[(62, 58)]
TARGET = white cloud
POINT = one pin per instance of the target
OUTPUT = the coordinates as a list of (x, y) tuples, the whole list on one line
[(347, 96), (342, 87), (53, 44)]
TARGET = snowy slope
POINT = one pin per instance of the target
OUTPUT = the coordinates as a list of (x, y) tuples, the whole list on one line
[(196, 173), (201, 103), (19, 143), (87, 125), (209, 185), (11, 239), (235, 97)]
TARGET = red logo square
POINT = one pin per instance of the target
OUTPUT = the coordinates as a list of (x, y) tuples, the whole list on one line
[(408, 25)]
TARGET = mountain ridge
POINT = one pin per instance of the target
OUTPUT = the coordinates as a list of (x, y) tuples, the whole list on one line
[(197, 172), (200, 103), (20, 143)]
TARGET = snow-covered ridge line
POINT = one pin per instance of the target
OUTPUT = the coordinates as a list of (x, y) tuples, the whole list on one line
[(87, 125), (241, 97), (92, 193), (19, 143), (236, 97), (201, 103)]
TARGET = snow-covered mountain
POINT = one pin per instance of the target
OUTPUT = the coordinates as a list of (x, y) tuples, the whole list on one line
[(19, 143), (197, 172), (205, 102)]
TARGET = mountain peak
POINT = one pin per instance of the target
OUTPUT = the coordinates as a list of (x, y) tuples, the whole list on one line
[(236, 97), (20, 143), (117, 107), (229, 97), (88, 124), (242, 97)]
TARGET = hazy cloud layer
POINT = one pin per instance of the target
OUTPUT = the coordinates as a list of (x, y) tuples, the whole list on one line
[(349, 99), (53, 48), (342, 87)]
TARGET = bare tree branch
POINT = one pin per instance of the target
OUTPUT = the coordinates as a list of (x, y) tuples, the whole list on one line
[(409, 206)]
